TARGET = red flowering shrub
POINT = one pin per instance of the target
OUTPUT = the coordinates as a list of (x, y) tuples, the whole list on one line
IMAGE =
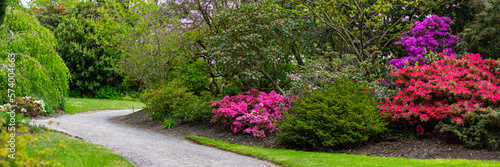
[(431, 93), (251, 112)]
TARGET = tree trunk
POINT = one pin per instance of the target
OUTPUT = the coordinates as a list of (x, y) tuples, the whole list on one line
[(275, 85)]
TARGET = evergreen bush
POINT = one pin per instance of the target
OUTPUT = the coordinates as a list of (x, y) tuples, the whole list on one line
[(344, 113)]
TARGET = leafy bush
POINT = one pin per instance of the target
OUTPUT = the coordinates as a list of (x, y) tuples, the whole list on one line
[(251, 112), (107, 93), (173, 101), (433, 34), (193, 75), (6, 113), (480, 127), (483, 36), (431, 93), (342, 114), (14, 136), (17, 145), (29, 107)]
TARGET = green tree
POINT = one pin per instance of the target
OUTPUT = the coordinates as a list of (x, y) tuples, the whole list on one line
[(153, 40), (483, 35), (29, 64), (88, 55), (50, 16), (252, 42)]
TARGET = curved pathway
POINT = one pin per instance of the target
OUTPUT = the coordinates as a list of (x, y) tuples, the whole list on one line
[(144, 148)]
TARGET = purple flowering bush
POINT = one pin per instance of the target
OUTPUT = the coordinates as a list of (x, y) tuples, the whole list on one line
[(251, 112), (432, 34)]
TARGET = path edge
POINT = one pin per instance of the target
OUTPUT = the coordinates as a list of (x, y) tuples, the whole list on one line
[(236, 152)]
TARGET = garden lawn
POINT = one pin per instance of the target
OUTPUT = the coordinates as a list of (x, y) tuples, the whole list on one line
[(302, 158), (77, 105), (78, 153)]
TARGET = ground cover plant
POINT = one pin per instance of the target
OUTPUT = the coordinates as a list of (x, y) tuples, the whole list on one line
[(76, 152), (14, 138)]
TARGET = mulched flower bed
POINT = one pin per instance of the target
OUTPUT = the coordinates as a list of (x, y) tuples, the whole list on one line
[(415, 148)]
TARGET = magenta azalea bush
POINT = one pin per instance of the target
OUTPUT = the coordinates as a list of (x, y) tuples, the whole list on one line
[(251, 112), (432, 34)]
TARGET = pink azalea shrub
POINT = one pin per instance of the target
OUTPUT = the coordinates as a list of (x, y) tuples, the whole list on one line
[(431, 93), (251, 112)]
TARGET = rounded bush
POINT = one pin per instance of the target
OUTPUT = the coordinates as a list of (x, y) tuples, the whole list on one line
[(173, 101), (251, 112), (342, 114)]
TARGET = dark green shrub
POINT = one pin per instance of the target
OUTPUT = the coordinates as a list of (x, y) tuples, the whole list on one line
[(107, 93), (480, 128), (193, 75), (483, 36), (173, 101), (3, 7), (342, 114), (198, 110)]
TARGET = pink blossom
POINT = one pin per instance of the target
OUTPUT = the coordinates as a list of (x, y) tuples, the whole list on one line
[(251, 112)]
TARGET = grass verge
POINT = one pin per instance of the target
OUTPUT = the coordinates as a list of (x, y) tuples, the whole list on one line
[(302, 158), (78, 153), (77, 105)]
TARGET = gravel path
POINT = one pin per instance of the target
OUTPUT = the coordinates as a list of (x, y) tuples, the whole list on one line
[(144, 148)]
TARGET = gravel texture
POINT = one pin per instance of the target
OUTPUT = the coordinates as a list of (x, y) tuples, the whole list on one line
[(142, 147)]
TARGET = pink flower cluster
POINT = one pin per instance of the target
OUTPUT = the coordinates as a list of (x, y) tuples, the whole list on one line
[(251, 112), (433, 92)]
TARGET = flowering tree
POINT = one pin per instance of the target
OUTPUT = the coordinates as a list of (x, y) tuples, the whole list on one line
[(252, 42)]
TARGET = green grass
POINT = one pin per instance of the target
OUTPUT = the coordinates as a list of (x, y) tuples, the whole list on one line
[(302, 158), (78, 153), (77, 105)]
